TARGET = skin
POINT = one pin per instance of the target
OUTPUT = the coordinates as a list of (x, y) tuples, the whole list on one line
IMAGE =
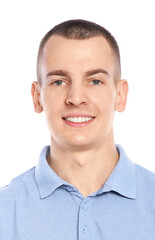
[(83, 156)]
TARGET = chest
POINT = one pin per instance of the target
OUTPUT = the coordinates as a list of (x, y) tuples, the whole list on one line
[(104, 217)]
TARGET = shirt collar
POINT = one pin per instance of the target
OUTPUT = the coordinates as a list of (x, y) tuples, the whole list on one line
[(122, 179), (47, 180)]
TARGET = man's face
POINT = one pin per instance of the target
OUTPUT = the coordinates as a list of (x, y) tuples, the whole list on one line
[(78, 85)]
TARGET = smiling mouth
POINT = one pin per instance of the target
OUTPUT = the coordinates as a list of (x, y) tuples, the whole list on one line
[(76, 122), (78, 119)]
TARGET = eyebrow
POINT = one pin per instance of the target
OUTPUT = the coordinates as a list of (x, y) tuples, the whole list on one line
[(95, 71), (66, 74)]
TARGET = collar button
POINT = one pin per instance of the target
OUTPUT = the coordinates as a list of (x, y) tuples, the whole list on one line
[(69, 188)]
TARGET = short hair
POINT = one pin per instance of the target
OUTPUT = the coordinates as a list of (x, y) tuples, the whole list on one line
[(79, 29)]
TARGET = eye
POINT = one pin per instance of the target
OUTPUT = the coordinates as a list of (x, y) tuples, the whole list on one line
[(96, 82), (59, 83)]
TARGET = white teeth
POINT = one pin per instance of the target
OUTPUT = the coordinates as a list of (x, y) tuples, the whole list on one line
[(78, 119)]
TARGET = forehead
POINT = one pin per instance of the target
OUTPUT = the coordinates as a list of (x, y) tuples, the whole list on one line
[(60, 52), (56, 43)]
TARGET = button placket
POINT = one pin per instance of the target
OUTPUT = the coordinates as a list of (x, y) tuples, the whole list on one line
[(84, 229)]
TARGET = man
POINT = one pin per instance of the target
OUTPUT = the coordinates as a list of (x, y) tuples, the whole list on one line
[(84, 186)]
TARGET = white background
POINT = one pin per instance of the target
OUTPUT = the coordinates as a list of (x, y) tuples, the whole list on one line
[(23, 133)]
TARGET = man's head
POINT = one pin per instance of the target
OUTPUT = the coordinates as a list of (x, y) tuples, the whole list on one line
[(80, 30), (79, 85)]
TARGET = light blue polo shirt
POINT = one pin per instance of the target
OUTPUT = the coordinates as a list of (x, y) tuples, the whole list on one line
[(39, 205)]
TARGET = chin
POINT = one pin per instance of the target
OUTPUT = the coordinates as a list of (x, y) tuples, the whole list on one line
[(80, 144)]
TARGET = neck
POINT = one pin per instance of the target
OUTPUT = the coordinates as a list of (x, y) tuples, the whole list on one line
[(86, 170)]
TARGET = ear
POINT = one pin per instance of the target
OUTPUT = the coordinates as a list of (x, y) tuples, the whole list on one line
[(122, 92), (35, 92)]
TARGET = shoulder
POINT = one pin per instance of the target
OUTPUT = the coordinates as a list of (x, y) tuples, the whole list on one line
[(144, 175), (12, 197), (16, 185), (145, 182)]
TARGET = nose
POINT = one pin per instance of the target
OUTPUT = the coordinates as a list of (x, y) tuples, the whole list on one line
[(76, 95)]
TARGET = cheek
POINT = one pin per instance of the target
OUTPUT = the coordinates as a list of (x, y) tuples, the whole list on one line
[(49, 101), (105, 102), (52, 104)]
